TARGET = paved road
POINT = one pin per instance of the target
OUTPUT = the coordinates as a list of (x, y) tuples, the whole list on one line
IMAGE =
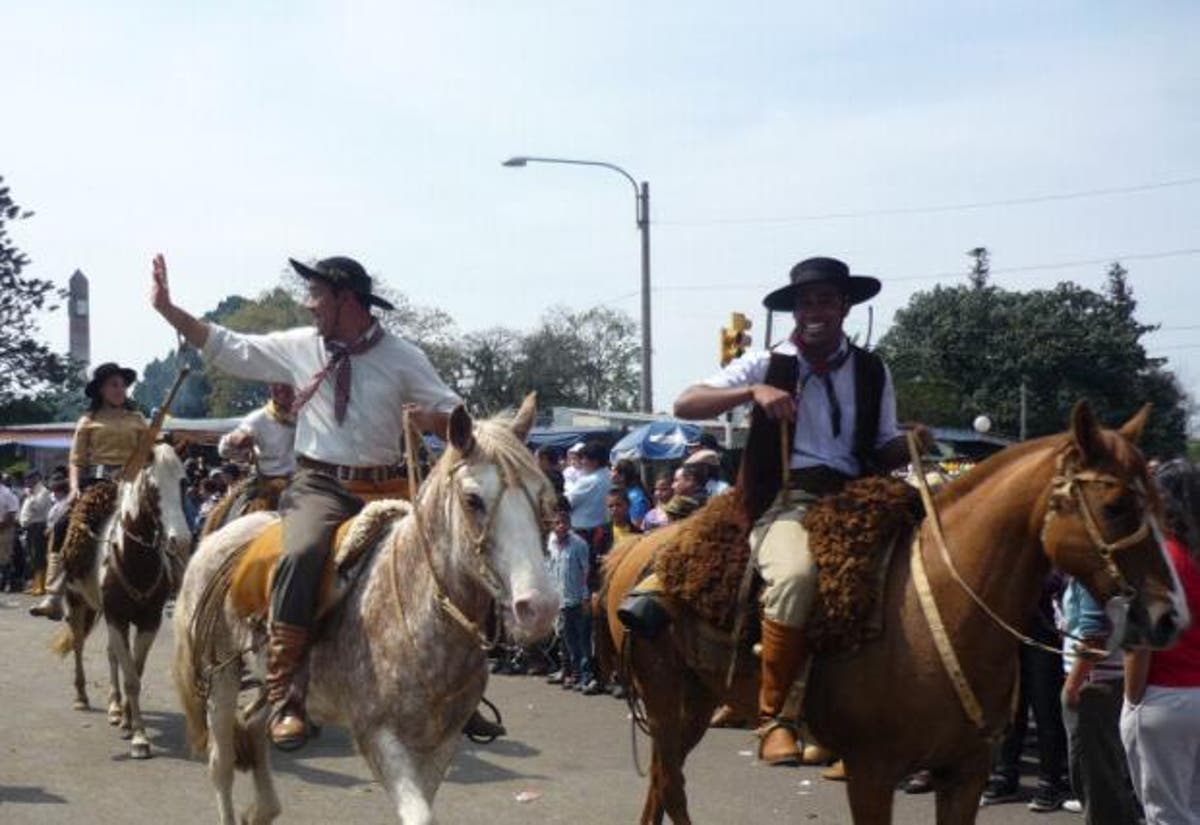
[(62, 766)]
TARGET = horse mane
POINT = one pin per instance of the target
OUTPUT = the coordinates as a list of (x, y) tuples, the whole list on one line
[(1120, 454)]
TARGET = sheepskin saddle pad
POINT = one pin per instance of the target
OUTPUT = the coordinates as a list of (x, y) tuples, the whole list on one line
[(851, 535), (250, 586)]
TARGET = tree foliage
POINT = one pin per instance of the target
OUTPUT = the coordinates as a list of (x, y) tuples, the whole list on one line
[(27, 365), (956, 352)]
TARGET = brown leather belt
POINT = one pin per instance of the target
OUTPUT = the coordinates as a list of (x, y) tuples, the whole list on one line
[(819, 480), (344, 473)]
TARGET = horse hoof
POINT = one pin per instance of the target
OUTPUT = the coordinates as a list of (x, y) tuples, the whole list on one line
[(114, 716), (140, 750), (81, 704)]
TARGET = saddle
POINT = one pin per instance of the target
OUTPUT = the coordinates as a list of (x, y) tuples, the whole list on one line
[(254, 572), (852, 536)]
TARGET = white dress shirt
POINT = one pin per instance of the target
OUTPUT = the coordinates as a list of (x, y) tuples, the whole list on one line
[(274, 443), (382, 380), (815, 443), (36, 506)]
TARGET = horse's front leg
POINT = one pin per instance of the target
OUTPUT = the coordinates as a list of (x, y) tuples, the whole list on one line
[(114, 672), (411, 778), (143, 640), (959, 789), (871, 794)]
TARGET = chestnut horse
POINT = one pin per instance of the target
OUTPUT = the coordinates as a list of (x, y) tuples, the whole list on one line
[(1074, 501)]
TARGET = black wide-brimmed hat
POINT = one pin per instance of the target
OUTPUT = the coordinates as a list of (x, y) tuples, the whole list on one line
[(343, 273), (857, 288), (104, 372)]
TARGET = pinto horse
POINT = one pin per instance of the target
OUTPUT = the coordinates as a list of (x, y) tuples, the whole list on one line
[(138, 558), (1080, 501), (400, 661)]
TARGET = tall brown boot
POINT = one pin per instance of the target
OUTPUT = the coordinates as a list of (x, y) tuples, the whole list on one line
[(51, 606), (286, 687), (784, 654)]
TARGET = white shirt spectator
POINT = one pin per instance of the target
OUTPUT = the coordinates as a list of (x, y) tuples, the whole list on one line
[(10, 506), (588, 495), (274, 443), (35, 509), (383, 379), (814, 443)]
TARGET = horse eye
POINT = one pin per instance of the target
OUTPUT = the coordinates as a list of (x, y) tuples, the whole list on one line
[(1118, 509), (475, 502)]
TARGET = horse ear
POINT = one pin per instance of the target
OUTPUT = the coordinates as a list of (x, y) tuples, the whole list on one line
[(1133, 428), (461, 433), (1085, 431), (522, 422)]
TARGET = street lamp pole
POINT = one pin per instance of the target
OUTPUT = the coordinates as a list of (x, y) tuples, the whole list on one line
[(641, 194)]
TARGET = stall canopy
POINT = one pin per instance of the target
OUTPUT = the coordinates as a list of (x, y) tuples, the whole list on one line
[(664, 440)]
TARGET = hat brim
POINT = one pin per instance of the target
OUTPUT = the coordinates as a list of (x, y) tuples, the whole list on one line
[(858, 288), (307, 273), (93, 387)]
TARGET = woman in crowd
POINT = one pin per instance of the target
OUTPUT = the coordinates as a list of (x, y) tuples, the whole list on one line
[(625, 474), (1160, 723), (106, 437)]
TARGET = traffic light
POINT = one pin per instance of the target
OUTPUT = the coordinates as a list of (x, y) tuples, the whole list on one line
[(734, 338)]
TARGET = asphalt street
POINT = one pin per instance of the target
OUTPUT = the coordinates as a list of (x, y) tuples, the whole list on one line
[(566, 760)]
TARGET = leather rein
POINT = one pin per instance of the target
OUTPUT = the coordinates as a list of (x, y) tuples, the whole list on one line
[(1066, 488), (481, 540)]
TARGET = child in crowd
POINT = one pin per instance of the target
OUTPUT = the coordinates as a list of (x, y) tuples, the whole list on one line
[(569, 567)]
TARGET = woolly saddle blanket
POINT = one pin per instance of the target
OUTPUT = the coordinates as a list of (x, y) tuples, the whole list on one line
[(851, 536), (254, 569)]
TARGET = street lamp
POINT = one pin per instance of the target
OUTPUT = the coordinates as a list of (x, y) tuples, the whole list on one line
[(641, 194)]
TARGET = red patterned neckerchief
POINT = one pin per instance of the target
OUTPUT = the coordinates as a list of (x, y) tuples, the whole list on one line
[(339, 364)]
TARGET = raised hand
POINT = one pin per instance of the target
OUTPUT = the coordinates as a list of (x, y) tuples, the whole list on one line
[(160, 293)]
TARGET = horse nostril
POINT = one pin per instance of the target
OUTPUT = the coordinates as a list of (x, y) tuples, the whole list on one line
[(524, 610)]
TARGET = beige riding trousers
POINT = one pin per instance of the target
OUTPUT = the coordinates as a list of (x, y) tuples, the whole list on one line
[(784, 561)]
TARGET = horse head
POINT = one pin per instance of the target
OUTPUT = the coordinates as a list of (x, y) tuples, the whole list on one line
[(159, 483), (498, 510), (1102, 527)]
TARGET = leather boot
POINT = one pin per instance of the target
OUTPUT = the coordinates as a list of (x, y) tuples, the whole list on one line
[(836, 773), (286, 646), (479, 728), (727, 717), (51, 605), (784, 654)]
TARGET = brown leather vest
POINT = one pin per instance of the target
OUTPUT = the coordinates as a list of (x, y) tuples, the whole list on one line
[(761, 472)]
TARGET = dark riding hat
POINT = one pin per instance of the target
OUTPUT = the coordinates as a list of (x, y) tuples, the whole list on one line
[(104, 372), (856, 288), (342, 273)]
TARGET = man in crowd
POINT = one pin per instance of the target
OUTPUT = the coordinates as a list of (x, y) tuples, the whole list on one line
[(588, 492), (356, 380), (837, 407), (569, 567), (35, 510), (708, 462), (10, 507)]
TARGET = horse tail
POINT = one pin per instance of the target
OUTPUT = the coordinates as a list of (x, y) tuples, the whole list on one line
[(188, 686), (64, 641)]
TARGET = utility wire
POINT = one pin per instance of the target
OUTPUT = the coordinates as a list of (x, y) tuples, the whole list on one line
[(932, 209)]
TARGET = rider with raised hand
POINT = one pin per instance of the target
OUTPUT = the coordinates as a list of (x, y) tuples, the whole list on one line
[(837, 403), (355, 379), (106, 437)]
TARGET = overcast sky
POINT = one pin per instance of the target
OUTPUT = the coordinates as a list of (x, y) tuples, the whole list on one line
[(230, 135)]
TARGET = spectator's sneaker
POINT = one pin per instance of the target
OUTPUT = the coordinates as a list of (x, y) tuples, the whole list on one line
[(1048, 798), (556, 678), (999, 790), (568, 683), (1073, 806), (592, 688)]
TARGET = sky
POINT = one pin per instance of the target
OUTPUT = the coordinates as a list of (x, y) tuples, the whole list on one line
[(232, 135)]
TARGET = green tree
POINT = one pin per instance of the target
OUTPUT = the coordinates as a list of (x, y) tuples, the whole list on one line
[(978, 344), (582, 359), (27, 365), (487, 371)]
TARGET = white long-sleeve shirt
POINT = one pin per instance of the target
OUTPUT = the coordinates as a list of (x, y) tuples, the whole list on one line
[(36, 506), (815, 444), (274, 443), (382, 380)]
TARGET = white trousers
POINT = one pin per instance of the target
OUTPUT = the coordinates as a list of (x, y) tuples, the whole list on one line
[(1161, 735)]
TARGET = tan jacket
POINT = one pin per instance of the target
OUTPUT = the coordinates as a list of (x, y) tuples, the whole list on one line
[(107, 436)]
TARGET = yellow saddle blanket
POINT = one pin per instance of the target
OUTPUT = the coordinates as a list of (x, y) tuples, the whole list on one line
[(250, 586)]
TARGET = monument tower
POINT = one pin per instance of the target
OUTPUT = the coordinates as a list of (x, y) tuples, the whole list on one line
[(77, 311)]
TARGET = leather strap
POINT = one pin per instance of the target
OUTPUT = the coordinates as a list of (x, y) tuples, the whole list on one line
[(941, 640)]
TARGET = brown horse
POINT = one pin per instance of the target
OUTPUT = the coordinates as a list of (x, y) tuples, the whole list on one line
[(137, 564), (1073, 501)]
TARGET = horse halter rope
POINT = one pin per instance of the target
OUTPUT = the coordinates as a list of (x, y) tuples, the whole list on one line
[(481, 541), (1067, 488)]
